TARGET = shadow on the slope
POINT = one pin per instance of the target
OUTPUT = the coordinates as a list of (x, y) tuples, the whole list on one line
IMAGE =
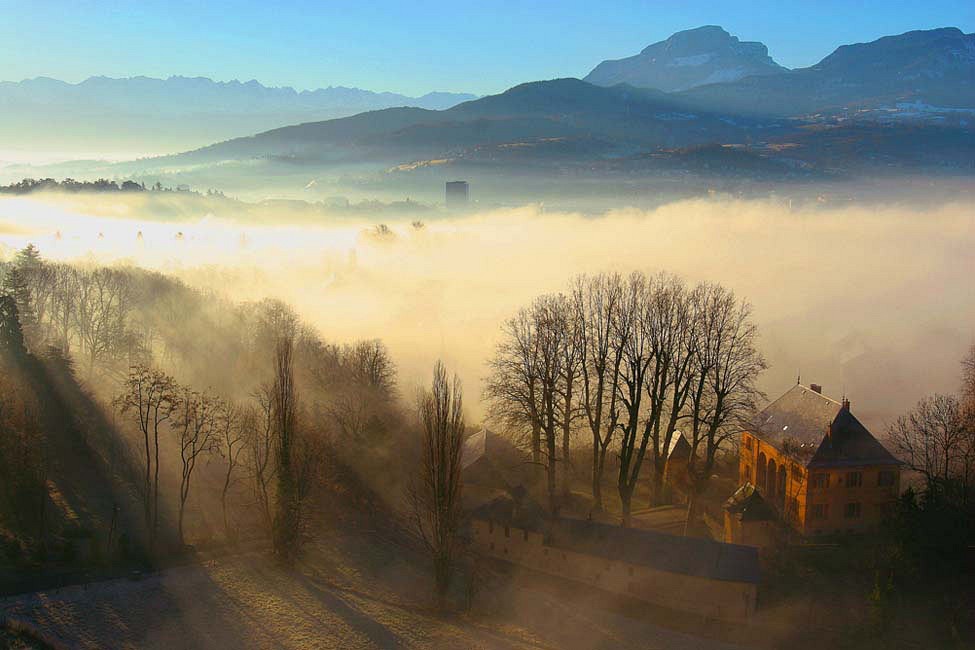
[(380, 635)]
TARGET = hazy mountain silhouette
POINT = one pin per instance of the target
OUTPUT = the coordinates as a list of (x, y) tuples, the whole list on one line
[(916, 72), (157, 115), (688, 59), (626, 118)]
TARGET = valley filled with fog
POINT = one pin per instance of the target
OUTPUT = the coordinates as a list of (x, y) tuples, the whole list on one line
[(872, 301)]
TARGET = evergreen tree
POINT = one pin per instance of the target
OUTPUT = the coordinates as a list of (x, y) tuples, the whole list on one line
[(11, 334)]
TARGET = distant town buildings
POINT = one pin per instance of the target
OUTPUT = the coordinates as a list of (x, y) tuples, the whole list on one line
[(457, 194)]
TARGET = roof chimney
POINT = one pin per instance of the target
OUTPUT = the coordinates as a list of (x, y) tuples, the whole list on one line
[(846, 404), (816, 388)]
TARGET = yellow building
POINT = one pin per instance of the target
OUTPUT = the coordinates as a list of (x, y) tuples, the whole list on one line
[(816, 465)]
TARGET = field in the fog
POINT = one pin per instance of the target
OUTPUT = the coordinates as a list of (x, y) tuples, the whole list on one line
[(872, 301)]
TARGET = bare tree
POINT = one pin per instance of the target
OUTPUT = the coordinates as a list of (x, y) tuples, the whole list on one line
[(369, 364), (671, 322), (101, 310), (195, 425), (596, 302), (512, 388), (231, 438), (570, 373), (151, 395), (724, 395), (636, 358), (968, 386), (436, 496), (63, 304), (259, 424), (935, 440), (549, 314), (284, 412)]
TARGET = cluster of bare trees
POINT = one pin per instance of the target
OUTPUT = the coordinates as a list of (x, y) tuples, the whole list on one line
[(937, 438), (264, 437), (159, 405), (73, 307), (633, 361)]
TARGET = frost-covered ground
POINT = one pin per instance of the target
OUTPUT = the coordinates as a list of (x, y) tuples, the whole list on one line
[(349, 594)]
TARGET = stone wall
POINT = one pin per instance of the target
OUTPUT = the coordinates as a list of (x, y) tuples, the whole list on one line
[(718, 599)]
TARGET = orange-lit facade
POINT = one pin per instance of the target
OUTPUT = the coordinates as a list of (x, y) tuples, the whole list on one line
[(818, 466)]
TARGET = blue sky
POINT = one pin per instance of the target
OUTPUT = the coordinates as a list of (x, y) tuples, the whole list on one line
[(415, 47)]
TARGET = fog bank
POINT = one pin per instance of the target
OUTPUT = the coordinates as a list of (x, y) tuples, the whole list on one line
[(872, 302)]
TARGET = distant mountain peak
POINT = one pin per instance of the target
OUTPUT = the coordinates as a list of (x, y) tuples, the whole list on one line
[(687, 59)]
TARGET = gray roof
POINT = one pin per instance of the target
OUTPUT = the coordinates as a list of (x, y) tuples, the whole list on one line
[(679, 447), (524, 513), (684, 555), (849, 444), (692, 556), (800, 415), (799, 421)]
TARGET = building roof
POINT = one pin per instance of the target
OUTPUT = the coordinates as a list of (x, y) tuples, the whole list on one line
[(488, 444), (693, 556), (680, 448), (819, 431), (524, 513), (749, 505), (849, 443)]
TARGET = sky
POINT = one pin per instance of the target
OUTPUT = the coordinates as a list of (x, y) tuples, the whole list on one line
[(418, 46)]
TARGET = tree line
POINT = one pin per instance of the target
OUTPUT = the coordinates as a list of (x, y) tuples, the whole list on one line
[(100, 185), (195, 383), (631, 362)]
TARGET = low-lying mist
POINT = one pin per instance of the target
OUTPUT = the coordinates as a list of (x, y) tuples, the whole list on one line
[(873, 302)]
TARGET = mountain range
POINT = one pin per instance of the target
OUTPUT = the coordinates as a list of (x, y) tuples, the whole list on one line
[(929, 71), (905, 101), (144, 114), (899, 101), (687, 59)]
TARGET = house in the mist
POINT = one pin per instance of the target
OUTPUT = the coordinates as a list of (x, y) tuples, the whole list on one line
[(699, 576), (810, 463), (493, 466), (676, 476)]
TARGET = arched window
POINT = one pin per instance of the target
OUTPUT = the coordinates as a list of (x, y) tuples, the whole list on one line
[(760, 470)]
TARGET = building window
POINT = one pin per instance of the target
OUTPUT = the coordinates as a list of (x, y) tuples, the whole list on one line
[(492, 546), (852, 511), (854, 479), (526, 534), (885, 478), (820, 480), (748, 442), (631, 572), (819, 511), (507, 532), (490, 526), (796, 473)]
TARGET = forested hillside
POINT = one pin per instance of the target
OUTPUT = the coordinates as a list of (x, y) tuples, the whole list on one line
[(136, 411)]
